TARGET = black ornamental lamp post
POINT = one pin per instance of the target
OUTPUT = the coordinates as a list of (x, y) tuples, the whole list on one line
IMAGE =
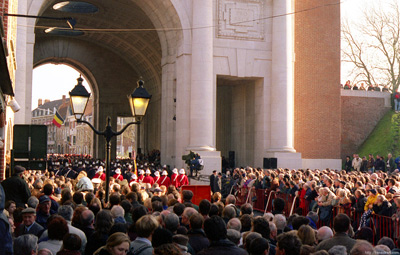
[(138, 100)]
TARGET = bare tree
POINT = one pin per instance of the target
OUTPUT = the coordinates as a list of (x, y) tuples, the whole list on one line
[(372, 46)]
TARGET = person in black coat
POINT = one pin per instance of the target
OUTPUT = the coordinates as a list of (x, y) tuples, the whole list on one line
[(348, 164), (197, 237), (215, 230), (16, 188), (382, 206), (360, 201)]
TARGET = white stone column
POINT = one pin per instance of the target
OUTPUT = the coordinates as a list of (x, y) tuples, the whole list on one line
[(282, 88), (282, 94), (203, 87), (202, 92)]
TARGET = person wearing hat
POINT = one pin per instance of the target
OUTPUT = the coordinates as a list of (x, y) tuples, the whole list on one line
[(100, 174), (16, 188), (174, 177), (133, 180), (141, 176), (43, 211), (148, 178), (157, 177), (29, 225), (118, 175), (182, 178), (164, 179)]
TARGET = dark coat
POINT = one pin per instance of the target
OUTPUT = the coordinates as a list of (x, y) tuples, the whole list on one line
[(6, 244), (360, 203), (36, 230), (16, 189), (337, 239), (94, 242), (198, 240), (223, 247), (384, 209)]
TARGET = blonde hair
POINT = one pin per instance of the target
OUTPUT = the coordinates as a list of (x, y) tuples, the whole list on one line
[(114, 240), (306, 235)]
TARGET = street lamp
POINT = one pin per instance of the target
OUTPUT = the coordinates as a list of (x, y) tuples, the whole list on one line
[(138, 100)]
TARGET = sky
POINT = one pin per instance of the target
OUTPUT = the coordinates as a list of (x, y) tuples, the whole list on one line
[(52, 81)]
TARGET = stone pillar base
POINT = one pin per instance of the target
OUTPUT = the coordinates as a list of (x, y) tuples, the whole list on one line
[(322, 164), (211, 159), (290, 160)]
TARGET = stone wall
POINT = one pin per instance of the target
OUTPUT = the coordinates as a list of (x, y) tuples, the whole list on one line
[(361, 112)]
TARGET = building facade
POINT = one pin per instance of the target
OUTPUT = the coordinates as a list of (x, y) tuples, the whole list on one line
[(253, 77)]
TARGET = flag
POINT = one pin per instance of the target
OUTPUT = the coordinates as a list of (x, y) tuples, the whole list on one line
[(58, 120)]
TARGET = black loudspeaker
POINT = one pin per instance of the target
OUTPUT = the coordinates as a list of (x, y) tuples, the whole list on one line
[(231, 159), (270, 163)]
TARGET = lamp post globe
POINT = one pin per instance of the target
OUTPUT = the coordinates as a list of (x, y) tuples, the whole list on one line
[(79, 98), (139, 101)]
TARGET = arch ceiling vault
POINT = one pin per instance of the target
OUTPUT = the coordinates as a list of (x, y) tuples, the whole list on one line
[(122, 41)]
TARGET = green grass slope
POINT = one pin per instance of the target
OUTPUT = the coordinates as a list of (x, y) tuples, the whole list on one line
[(384, 138)]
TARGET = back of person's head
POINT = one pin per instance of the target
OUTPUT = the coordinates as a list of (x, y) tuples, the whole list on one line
[(179, 208), (306, 249), (104, 221), (25, 244), (48, 189), (261, 225), (247, 239), (57, 228), (279, 204), (44, 251), (246, 221), (77, 198), (72, 242), (246, 209), (235, 224), (214, 210), (341, 223), (362, 247), (258, 246), (157, 206), (89, 197), (306, 235), (365, 233), (33, 202), (299, 221), (321, 252), (388, 242), (66, 212), (280, 221), (167, 249), (115, 199), (87, 218), (337, 250), (230, 199), (117, 211), (146, 225), (229, 212), (171, 222), (324, 233), (382, 249), (289, 242), (196, 221), (161, 236), (126, 205), (233, 235), (138, 212), (187, 195), (215, 228), (204, 207)]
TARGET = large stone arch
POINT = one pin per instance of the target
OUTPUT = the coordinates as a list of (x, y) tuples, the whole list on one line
[(151, 55)]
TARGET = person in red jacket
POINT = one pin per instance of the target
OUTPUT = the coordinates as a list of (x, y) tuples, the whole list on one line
[(182, 178), (174, 177), (141, 176), (156, 177), (118, 175), (148, 178), (164, 180), (100, 174), (133, 179)]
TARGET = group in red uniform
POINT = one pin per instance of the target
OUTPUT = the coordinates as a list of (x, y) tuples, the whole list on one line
[(178, 180)]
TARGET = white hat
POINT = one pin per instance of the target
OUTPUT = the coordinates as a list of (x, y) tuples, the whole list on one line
[(118, 171), (148, 171), (182, 171), (132, 182), (164, 172), (175, 171), (157, 173), (100, 169), (96, 180), (134, 177), (141, 171)]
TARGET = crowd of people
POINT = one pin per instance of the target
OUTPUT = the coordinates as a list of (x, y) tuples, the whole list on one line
[(63, 210), (362, 86)]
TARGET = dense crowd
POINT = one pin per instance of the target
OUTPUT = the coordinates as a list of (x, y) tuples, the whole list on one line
[(64, 211)]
